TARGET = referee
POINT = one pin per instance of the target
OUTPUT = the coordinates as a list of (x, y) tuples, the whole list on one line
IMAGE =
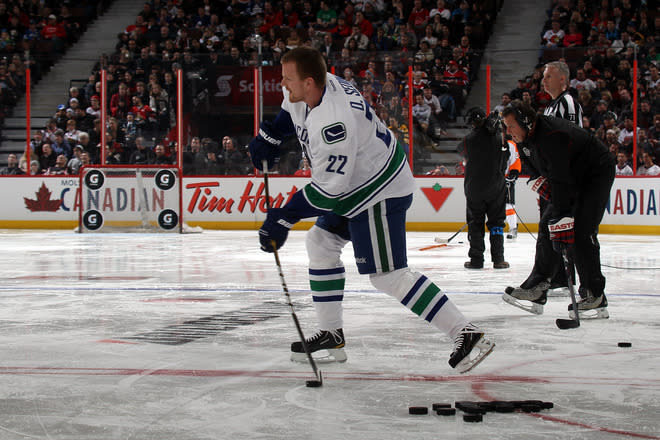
[(556, 76)]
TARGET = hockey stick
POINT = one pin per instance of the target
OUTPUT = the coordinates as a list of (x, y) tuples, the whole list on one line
[(433, 246), (569, 323), (319, 379), (447, 240)]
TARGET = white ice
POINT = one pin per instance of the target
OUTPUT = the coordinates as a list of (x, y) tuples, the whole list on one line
[(94, 329)]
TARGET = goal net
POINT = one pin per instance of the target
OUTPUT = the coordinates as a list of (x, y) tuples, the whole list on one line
[(136, 198)]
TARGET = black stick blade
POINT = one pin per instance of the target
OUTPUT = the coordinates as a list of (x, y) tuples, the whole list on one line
[(565, 324)]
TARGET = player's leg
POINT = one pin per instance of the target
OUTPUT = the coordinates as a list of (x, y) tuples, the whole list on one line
[(476, 216), (379, 243), (589, 213), (511, 210), (496, 215), (324, 243)]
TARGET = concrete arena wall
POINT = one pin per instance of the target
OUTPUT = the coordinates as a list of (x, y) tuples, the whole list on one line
[(50, 202)]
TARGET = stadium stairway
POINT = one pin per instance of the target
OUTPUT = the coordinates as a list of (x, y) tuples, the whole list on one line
[(512, 50), (76, 64)]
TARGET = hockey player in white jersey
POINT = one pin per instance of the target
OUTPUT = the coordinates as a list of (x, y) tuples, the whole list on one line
[(361, 188)]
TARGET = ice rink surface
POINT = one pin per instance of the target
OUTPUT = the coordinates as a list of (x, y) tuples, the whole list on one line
[(186, 337)]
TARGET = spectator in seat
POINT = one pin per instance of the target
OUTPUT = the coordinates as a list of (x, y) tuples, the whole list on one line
[(142, 155), (61, 145), (12, 168), (648, 168), (59, 168), (622, 167), (161, 157), (361, 40), (47, 157), (235, 160), (54, 32), (74, 164)]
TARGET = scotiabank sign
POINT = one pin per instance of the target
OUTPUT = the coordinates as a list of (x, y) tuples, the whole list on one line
[(235, 85)]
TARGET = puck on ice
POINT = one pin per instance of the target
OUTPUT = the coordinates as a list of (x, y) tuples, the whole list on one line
[(530, 407), (624, 344), (313, 383), (418, 410), (473, 418), (445, 411), (437, 406)]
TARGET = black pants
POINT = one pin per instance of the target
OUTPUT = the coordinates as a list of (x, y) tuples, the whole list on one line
[(589, 209), (478, 208)]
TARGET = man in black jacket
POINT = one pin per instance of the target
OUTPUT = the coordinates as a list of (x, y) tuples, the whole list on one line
[(573, 171), (485, 189)]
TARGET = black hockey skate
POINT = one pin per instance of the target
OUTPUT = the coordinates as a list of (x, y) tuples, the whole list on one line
[(590, 307), (467, 343), (330, 340), (536, 295)]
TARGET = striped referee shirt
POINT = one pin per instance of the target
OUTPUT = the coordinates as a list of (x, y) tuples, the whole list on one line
[(565, 107)]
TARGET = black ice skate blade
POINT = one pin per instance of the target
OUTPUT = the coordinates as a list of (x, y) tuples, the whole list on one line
[(565, 324)]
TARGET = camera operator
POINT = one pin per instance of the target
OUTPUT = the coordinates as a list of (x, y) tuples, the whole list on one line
[(485, 189)]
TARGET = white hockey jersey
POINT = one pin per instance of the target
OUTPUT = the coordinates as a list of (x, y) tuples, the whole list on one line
[(354, 158)]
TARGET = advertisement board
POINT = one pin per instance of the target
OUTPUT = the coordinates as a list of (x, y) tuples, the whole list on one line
[(239, 202)]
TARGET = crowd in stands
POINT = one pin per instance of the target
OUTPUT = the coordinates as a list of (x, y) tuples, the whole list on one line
[(370, 43), (34, 34), (600, 42)]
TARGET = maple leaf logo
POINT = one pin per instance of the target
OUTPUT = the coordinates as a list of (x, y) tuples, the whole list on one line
[(43, 202), (437, 195)]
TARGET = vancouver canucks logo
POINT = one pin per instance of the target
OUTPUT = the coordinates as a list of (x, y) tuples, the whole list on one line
[(334, 133)]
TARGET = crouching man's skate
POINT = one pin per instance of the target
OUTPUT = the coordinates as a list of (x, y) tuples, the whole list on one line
[(590, 306), (329, 342), (531, 299), (470, 348)]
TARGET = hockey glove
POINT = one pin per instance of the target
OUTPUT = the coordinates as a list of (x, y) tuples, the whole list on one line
[(561, 231), (265, 146), (512, 176), (275, 229), (541, 186)]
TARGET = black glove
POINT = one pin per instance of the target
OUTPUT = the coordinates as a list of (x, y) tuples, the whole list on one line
[(561, 231), (265, 146), (512, 176), (275, 229), (541, 186)]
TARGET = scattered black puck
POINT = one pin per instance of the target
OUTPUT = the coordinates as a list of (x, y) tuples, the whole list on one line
[(459, 404), (313, 383), (504, 407), (437, 406), (547, 405), (418, 410), (530, 407), (517, 404), (473, 408), (487, 406), (624, 344), (445, 411), (473, 418)]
